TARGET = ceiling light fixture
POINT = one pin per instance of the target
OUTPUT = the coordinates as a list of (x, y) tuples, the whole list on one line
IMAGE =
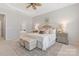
[(33, 5)]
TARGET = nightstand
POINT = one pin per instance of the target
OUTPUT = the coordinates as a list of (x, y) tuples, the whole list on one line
[(62, 38)]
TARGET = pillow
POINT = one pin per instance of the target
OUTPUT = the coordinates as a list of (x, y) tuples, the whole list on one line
[(51, 31)]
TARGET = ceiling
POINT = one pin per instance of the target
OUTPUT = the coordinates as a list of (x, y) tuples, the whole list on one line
[(45, 8)]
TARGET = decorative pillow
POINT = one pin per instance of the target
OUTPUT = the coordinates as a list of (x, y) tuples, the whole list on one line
[(47, 31), (52, 31)]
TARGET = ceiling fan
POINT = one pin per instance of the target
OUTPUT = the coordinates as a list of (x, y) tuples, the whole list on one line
[(33, 5)]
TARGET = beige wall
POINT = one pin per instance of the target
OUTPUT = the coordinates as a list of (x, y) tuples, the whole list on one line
[(69, 14), (12, 21)]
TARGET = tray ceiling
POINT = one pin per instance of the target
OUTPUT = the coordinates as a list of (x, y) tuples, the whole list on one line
[(45, 8)]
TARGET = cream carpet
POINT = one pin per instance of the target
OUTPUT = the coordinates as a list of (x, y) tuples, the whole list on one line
[(67, 50), (12, 48)]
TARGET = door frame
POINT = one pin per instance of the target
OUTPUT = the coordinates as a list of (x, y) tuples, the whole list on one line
[(4, 25)]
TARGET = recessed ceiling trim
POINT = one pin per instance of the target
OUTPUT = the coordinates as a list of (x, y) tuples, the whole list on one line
[(45, 8)]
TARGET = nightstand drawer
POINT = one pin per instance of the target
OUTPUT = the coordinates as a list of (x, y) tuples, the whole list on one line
[(62, 38)]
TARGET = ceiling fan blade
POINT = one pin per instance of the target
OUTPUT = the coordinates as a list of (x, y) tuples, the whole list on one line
[(33, 6), (28, 6), (37, 4)]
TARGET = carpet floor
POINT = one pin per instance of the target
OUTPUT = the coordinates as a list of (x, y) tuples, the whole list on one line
[(12, 48)]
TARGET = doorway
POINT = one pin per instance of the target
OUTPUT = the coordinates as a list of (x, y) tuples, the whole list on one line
[(2, 27)]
